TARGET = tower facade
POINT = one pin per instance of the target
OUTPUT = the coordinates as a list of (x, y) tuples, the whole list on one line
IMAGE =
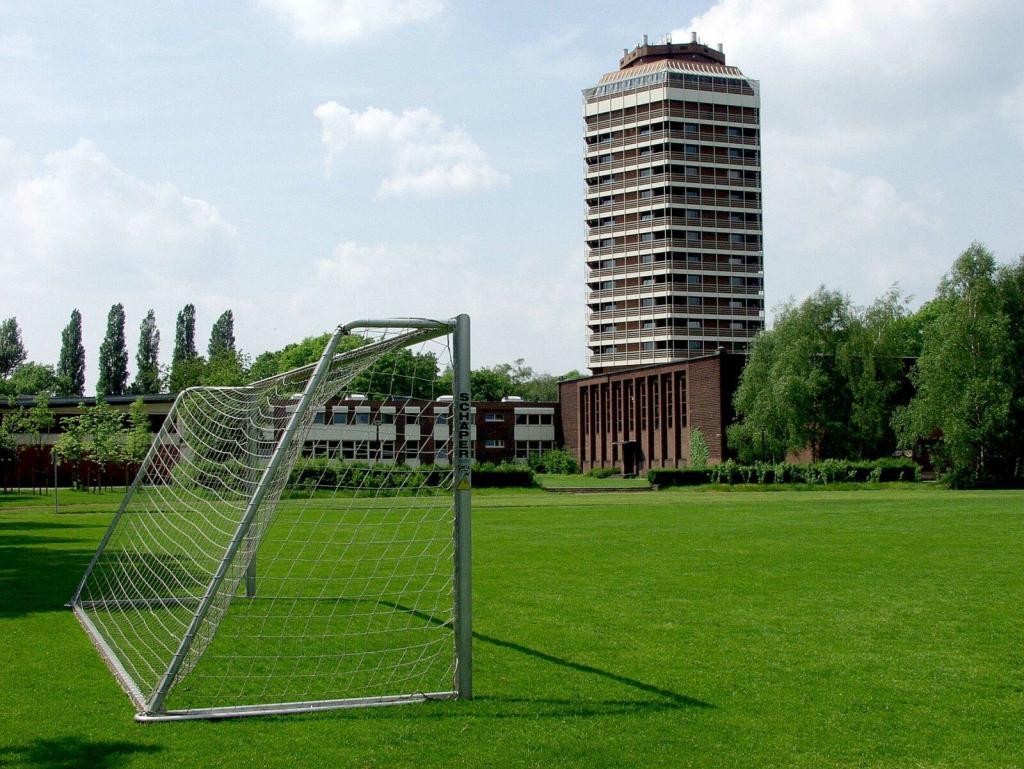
[(673, 208)]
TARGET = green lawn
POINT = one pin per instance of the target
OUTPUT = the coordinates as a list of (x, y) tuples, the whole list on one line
[(874, 628)]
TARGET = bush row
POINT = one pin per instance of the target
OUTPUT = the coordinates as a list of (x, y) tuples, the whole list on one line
[(827, 471)]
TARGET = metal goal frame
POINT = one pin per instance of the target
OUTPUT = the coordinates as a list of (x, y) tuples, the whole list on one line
[(151, 708)]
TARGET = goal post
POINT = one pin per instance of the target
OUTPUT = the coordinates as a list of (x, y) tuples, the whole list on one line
[(300, 543)]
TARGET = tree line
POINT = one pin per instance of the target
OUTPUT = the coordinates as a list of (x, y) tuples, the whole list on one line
[(850, 382), (223, 364), (418, 375)]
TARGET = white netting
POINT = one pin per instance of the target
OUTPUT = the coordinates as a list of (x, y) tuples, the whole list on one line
[(342, 586)]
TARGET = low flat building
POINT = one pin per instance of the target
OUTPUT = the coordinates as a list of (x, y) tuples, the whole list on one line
[(416, 432)]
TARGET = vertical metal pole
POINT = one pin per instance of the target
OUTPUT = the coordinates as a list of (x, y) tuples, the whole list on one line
[(250, 540), (463, 456)]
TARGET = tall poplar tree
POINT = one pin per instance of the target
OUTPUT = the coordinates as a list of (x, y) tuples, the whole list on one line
[(12, 351), (186, 365), (71, 365), (147, 358), (222, 336), (113, 355)]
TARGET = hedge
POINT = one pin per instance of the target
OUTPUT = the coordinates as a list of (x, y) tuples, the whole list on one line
[(505, 475), (324, 473), (827, 471)]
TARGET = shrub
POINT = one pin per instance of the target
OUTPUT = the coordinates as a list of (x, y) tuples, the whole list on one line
[(559, 461), (505, 475), (699, 451), (603, 472)]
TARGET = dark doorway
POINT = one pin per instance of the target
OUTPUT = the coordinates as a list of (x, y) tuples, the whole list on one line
[(630, 457)]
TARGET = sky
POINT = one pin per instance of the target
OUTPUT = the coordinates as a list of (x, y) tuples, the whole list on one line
[(307, 162)]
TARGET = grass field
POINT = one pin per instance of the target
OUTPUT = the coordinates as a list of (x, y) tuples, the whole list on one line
[(554, 481), (875, 628)]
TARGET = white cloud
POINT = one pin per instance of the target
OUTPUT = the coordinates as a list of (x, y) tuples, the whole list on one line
[(864, 103), (848, 231), (848, 75), (81, 213), (346, 21), (425, 157), (1011, 109), (80, 232), (516, 301)]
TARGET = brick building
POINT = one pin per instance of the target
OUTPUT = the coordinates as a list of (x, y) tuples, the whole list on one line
[(640, 418)]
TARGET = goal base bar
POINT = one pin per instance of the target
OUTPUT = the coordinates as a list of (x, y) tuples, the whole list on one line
[(285, 708), (108, 656)]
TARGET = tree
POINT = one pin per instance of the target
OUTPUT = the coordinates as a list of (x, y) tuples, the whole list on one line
[(790, 396), (827, 378), (113, 378), (147, 358), (185, 335), (964, 377), (103, 424), (12, 351), (186, 365), (187, 373), (137, 437), (222, 336), (71, 365), (400, 373), (874, 362), (1010, 283), (8, 448), (228, 369), (294, 355), (39, 421), (31, 379), (71, 445)]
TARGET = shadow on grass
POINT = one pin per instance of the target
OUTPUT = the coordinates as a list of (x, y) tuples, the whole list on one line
[(668, 698), (496, 708), (69, 752), (37, 526), (38, 574)]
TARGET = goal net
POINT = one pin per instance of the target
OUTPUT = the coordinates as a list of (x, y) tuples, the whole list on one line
[(300, 543)]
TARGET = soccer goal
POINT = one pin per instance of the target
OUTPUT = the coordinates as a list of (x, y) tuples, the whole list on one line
[(301, 543)]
